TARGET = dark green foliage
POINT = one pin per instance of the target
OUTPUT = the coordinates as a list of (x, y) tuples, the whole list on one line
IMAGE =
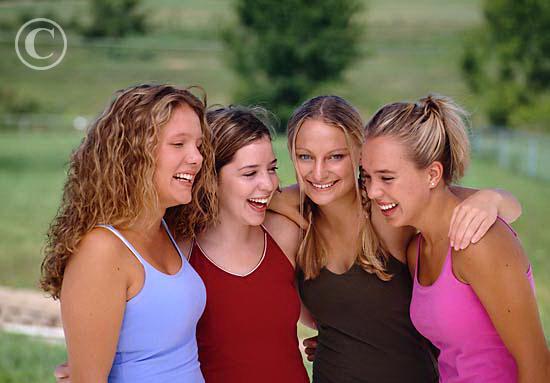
[(507, 61), (282, 50), (115, 18)]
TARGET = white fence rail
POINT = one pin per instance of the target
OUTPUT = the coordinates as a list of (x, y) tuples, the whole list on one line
[(523, 152)]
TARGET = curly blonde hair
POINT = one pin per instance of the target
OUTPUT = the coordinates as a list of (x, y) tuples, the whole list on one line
[(110, 175)]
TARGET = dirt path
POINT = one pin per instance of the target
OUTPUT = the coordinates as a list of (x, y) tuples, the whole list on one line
[(29, 311)]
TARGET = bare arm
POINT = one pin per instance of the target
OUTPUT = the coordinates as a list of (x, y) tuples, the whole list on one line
[(477, 213), (287, 203), (506, 203), (93, 299), (496, 270)]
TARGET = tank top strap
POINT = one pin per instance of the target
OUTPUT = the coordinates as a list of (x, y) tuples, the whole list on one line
[(507, 225), (418, 244), (126, 242), (183, 258)]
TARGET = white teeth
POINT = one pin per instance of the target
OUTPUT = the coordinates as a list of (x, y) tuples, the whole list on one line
[(323, 186), (184, 176), (388, 207), (259, 200)]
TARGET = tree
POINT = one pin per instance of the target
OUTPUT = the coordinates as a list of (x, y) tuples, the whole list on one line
[(115, 18), (282, 50), (507, 61)]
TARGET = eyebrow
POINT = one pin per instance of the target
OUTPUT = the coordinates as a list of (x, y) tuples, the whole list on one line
[(274, 162), (183, 135), (384, 171), (332, 151)]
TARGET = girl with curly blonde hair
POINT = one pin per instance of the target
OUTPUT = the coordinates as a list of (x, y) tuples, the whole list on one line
[(129, 299)]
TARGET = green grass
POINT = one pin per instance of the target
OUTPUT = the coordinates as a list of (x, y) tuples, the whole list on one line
[(411, 48), (23, 359)]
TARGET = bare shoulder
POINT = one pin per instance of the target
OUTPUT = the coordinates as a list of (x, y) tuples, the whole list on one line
[(499, 250), (285, 232), (98, 252)]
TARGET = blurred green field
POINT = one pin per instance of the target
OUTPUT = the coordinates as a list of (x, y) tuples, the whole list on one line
[(411, 48)]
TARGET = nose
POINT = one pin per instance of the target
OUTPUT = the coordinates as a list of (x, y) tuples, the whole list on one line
[(268, 182), (319, 171), (373, 189), (194, 156)]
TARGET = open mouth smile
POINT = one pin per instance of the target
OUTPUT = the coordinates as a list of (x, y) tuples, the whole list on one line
[(185, 178), (387, 208), (322, 187), (258, 204)]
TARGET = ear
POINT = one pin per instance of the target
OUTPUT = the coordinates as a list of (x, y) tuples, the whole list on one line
[(435, 174)]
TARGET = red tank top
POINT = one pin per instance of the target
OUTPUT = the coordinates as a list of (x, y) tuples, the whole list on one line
[(247, 332)]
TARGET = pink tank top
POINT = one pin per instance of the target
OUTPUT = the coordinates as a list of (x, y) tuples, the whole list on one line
[(451, 316)]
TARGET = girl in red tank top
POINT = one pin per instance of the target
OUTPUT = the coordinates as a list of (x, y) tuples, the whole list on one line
[(248, 330)]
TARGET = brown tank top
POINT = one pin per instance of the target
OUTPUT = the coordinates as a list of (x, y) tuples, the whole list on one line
[(365, 332)]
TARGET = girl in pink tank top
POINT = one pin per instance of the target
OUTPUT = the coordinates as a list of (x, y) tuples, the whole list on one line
[(450, 314), (477, 305)]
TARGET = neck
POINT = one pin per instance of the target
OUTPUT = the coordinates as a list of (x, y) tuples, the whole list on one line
[(145, 225), (228, 228), (342, 214), (435, 219)]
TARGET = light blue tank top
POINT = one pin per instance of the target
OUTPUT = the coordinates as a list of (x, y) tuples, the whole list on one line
[(157, 340)]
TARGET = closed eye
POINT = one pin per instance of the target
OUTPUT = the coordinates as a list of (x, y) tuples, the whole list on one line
[(273, 169)]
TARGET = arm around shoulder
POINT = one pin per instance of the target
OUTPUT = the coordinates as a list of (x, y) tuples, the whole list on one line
[(287, 203), (93, 298), (507, 205)]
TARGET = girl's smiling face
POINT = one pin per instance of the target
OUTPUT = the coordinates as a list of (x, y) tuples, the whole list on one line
[(393, 181), (324, 162)]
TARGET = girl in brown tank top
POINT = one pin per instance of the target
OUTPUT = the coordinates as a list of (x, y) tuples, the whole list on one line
[(365, 334)]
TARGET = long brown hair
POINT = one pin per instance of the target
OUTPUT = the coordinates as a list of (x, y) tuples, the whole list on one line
[(312, 254), (232, 128), (110, 175)]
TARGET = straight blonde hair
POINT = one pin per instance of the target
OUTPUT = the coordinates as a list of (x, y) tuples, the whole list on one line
[(312, 253)]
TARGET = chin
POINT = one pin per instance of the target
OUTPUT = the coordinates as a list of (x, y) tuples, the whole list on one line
[(183, 200), (321, 199), (254, 221)]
